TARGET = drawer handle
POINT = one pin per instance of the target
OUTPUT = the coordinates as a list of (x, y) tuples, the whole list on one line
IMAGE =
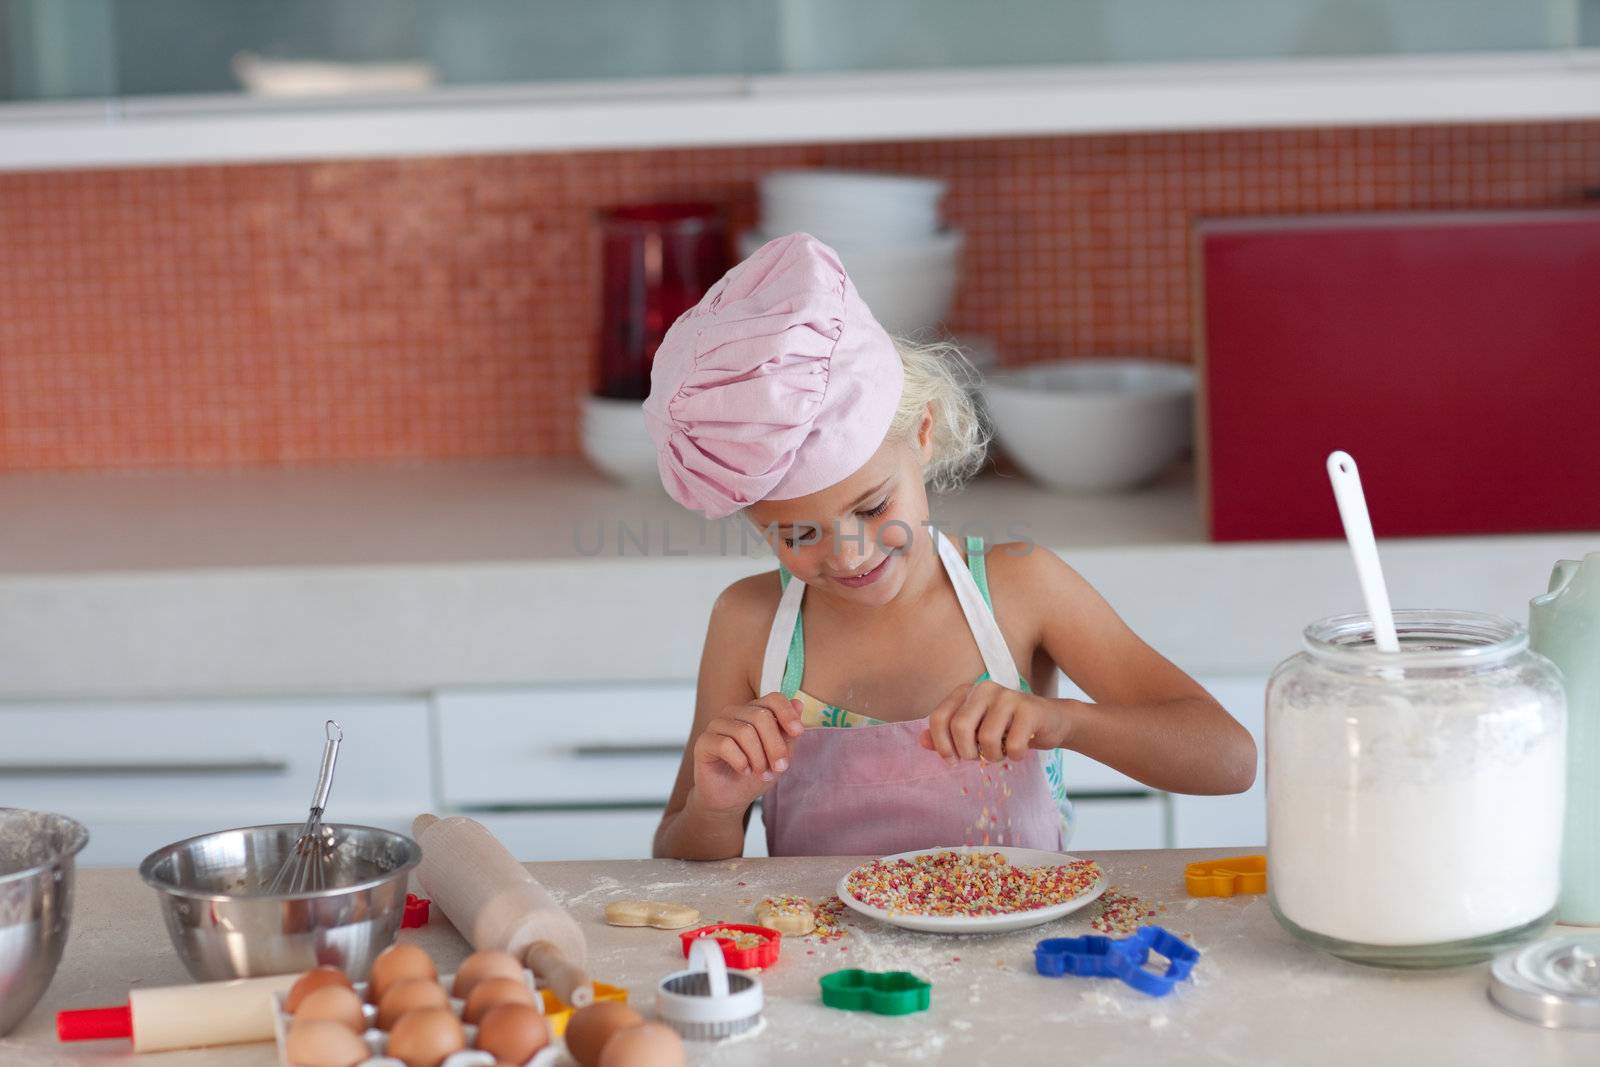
[(627, 751), (144, 770)]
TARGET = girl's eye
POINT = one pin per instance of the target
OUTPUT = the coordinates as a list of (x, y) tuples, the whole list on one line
[(789, 542), (874, 512)]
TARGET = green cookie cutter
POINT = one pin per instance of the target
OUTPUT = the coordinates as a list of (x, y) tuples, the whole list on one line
[(880, 992)]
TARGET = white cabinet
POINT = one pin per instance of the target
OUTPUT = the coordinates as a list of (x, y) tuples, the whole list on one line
[(568, 772), (142, 774), (1186, 821), (585, 834), (1120, 822), (1238, 820), (561, 745)]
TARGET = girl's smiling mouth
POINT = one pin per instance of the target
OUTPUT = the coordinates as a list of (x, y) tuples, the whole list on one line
[(856, 581)]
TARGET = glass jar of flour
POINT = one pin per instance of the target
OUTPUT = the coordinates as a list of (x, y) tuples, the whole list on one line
[(1415, 798)]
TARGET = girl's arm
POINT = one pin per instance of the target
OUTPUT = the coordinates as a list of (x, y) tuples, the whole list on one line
[(1149, 719), (738, 744)]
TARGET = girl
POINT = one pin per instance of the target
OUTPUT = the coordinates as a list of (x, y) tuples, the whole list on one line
[(911, 703)]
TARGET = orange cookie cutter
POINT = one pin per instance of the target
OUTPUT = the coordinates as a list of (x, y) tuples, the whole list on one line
[(558, 1013), (1235, 876)]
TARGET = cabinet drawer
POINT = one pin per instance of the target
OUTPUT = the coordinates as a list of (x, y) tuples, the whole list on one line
[(207, 765), (1086, 777), (1120, 822), (1230, 821), (562, 744), (590, 834)]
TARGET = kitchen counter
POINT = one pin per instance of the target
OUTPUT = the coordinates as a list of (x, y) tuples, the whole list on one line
[(1257, 996), (405, 579)]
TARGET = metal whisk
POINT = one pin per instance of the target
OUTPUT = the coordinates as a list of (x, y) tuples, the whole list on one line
[(303, 871)]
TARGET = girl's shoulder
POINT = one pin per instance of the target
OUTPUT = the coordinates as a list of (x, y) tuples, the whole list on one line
[(1023, 573), (748, 601)]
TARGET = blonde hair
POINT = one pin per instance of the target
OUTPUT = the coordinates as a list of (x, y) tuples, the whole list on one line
[(939, 375)]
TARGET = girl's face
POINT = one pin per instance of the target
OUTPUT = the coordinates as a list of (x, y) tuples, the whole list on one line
[(851, 539)]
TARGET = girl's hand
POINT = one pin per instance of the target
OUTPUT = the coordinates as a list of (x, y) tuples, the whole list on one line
[(994, 722), (740, 753)]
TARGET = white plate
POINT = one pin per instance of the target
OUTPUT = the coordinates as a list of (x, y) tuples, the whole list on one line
[(980, 924)]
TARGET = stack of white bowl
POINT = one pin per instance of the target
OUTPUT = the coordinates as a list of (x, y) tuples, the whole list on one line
[(1093, 425), (616, 440), (886, 229)]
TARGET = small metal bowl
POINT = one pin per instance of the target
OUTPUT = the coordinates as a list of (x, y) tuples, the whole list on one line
[(226, 924), (38, 853)]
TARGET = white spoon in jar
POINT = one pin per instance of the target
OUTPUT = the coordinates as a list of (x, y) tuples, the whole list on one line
[(1364, 547)]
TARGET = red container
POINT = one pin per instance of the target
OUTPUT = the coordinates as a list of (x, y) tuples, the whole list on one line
[(1452, 353), (658, 260)]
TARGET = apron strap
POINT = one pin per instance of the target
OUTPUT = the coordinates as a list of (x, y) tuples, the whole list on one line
[(779, 640), (980, 620)]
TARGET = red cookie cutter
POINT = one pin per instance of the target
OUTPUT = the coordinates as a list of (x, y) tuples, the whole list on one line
[(415, 913), (740, 959)]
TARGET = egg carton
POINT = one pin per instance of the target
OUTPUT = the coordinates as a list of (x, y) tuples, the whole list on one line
[(552, 1055)]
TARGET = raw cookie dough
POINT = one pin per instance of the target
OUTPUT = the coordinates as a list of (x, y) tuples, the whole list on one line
[(787, 915), (660, 914)]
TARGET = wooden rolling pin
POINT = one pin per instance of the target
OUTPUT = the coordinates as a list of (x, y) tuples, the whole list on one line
[(183, 1016), (496, 903)]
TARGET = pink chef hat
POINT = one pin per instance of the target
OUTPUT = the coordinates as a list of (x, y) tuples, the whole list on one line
[(777, 384)]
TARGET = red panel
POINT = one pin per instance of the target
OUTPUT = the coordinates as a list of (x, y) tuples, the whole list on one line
[(1455, 355)]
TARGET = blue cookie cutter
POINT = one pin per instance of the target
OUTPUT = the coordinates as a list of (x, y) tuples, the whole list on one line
[(1104, 957)]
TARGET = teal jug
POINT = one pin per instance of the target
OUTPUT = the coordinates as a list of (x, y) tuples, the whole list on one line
[(1564, 625)]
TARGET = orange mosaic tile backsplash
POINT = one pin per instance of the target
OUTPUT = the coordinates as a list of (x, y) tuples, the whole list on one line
[(441, 308)]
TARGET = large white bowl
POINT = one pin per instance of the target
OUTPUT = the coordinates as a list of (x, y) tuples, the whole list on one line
[(841, 205), (614, 418), (909, 285), (616, 440), (1092, 425)]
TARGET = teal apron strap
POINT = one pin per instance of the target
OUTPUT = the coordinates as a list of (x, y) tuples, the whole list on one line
[(975, 563), (794, 668)]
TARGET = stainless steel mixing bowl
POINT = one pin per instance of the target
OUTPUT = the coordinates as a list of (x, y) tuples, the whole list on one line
[(225, 924), (37, 859)]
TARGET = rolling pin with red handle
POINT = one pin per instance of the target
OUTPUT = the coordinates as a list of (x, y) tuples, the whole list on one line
[(496, 903), (183, 1016)]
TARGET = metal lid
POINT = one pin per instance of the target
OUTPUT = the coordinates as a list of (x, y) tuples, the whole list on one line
[(1554, 982)]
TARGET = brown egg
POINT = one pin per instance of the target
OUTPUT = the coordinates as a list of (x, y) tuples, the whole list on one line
[(491, 991), (490, 963), (425, 1037), (323, 1043), (649, 1045), (409, 995), (315, 978), (394, 965), (335, 1003), (590, 1028), (512, 1033)]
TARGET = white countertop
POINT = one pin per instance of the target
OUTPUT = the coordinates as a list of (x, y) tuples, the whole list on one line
[(396, 579), (1256, 997)]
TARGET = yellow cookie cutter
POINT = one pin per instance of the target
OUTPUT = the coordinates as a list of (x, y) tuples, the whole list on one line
[(1235, 876), (557, 1012)]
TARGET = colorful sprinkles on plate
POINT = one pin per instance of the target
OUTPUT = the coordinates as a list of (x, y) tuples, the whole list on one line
[(968, 885)]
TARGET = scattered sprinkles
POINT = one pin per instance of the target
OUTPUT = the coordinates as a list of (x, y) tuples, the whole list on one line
[(967, 884), (1121, 913), (830, 920)]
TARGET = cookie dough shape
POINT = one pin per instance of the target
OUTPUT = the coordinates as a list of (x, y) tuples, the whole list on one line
[(660, 914), (787, 915)]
